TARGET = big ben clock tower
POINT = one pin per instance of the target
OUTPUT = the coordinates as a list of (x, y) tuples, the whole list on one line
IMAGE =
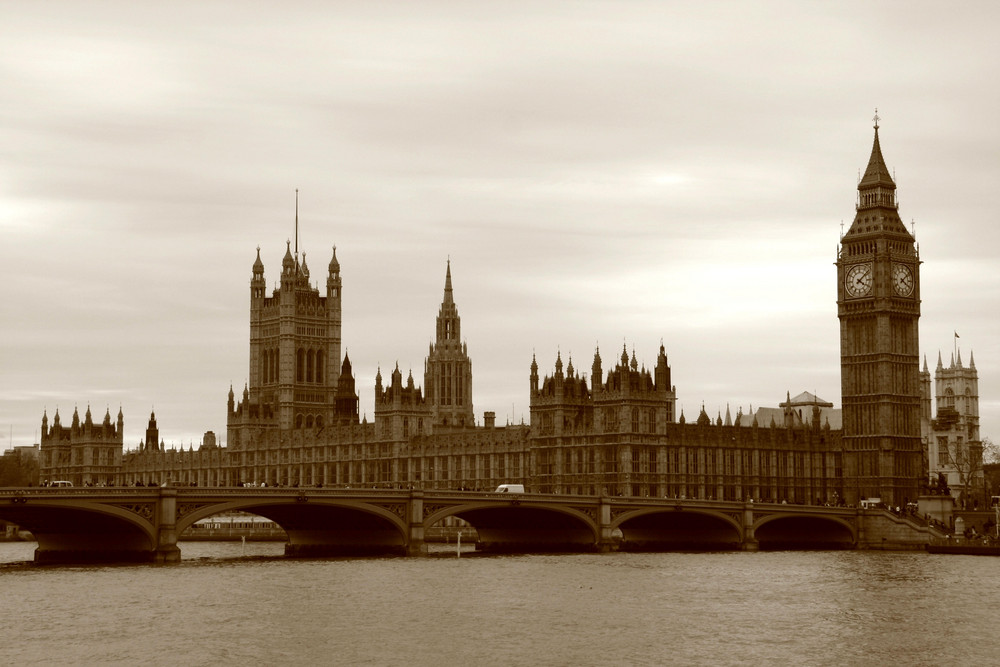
[(878, 302)]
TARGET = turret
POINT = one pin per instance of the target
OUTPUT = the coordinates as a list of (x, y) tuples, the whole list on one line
[(333, 277), (662, 371), (287, 267), (534, 376), (257, 283), (596, 376), (152, 433)]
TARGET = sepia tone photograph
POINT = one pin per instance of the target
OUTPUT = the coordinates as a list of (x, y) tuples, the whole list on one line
[(552, 333)]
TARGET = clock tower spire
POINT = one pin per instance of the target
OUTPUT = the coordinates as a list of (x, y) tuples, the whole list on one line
[(878, 303)]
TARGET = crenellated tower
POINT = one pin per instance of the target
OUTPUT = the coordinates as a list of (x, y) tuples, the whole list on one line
[(878, 303), (401, 411), (296, 368), (85, 454), (448, 369)]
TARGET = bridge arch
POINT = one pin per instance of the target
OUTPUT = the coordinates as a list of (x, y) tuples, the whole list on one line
[(81, 531), (515, 526), (678, 529), (804, 531), (320, 526)]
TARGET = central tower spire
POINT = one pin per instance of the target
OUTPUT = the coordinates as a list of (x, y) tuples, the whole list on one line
[(448, 369)]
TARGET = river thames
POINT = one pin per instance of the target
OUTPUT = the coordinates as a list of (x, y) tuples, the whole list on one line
[(228, 603)]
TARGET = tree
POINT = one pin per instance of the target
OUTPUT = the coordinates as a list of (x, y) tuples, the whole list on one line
[(18, 469), (991, 468), (967, 461)]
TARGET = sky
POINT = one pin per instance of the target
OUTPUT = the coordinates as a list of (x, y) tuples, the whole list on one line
[(599, 174)]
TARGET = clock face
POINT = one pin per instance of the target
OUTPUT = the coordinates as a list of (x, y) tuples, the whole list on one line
[(902, 279), (859, 280)]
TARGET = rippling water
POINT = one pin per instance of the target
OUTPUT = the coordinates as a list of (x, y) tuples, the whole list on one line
[(812, 608)]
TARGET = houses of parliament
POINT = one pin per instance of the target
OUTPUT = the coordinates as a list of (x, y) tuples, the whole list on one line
[(617, 432)]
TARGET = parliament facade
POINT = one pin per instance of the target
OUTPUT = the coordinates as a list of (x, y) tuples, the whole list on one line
[(616, 432)]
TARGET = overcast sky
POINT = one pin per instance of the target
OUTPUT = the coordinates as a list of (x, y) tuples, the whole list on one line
[(599, 173)]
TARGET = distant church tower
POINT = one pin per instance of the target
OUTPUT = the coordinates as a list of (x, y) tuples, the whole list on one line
[(295, 362), (878, 303), (448, 369), (952, 434)]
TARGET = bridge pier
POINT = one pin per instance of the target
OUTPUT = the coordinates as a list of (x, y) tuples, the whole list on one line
[(415, 545), (166, 528), (749, 542), (605, 540)]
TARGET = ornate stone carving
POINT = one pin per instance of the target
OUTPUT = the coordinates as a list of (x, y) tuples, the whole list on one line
[(183, 509), (431, 509), (399, 509), (145, 510)]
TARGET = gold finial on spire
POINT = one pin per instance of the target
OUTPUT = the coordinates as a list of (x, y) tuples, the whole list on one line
[(876, 118)]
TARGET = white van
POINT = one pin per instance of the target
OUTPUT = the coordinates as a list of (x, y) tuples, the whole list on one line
[(61, 483), (510, 488)]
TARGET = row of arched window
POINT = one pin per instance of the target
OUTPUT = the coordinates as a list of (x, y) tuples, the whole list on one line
[(309, 366), (308, 421)]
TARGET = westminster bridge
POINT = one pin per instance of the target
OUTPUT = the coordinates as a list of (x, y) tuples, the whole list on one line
[(136, 524)]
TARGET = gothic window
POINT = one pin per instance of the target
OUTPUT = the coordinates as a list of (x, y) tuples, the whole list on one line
[(635, 420), (299, 364), (319, 366), (310, 365), (942, 451)]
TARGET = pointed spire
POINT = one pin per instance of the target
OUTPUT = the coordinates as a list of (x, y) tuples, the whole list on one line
[(959, 360), (297, 226), (448, 297), (972, 361), (940, 365), (334, 264), (729, 420), (876, 173)]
